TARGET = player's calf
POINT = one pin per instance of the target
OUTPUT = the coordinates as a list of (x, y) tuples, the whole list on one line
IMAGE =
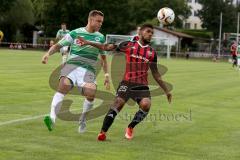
[(109, 118), (87, 106), (89, 91), (144, 105), (138, 117)]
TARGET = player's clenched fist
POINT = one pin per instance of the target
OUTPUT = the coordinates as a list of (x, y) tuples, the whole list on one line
[(45, 58)]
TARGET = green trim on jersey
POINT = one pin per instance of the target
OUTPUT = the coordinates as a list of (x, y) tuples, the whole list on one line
[(84, 56)]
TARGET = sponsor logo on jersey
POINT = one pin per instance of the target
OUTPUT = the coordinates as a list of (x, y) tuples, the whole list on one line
[(78, 42), (97, 39), (140, 57), (133, 47), (149, 53)]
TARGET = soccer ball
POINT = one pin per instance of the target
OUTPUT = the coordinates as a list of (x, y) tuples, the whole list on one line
[(166, 16)]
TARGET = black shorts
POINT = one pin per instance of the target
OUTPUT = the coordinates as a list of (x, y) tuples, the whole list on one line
[(135, 91), (234, 57)]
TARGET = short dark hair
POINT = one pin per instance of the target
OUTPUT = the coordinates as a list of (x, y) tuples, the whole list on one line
[(146, 26), (63, 23), (94, 13)]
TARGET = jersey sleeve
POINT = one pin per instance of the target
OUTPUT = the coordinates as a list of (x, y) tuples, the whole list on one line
[(135, 38), (123, 46), (67, 40)]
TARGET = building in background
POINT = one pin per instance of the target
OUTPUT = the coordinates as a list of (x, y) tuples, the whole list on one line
[(193, 21), (236, 2)]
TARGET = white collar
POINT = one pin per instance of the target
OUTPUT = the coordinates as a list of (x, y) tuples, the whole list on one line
[(142, 45)]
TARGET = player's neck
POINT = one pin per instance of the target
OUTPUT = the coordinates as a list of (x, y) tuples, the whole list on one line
[(89, 29), (142, 42)]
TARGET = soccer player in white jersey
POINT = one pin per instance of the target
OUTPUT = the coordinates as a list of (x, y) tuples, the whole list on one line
[(60, 34), (80, 67)]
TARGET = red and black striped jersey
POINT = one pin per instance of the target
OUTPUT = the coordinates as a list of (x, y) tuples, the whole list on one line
[(138, 58), (135, 38), (233, 49)]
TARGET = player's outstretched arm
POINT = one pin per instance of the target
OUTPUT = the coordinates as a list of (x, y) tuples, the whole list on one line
[(50, 52), (105, 47), (158, 79)]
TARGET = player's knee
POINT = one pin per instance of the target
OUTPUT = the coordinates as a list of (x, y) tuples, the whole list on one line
[(90, 99), (89, 90), (65, 53), (64, 81), (118, 103), (145, 104), (65, 85)]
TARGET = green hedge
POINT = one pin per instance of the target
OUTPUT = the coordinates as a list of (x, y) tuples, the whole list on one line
[(197, 33)]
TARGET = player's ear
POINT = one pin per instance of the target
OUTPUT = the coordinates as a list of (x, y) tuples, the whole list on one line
[(89, 19), (140, 32)]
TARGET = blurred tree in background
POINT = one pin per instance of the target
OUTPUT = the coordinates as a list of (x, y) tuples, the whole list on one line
[(20, 17), (5, 6), (210, 15), (120, 15), (16, 14)]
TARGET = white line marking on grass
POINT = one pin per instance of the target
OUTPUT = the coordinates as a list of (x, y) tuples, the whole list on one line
[(36, 117), (41, 116), (27, 119), (22, 120), (32, 118)]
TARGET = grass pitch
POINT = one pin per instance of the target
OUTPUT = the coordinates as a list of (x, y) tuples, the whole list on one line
[(202, 123)]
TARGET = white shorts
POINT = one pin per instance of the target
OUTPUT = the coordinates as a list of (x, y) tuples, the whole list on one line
[(78, 75), (64, 49)]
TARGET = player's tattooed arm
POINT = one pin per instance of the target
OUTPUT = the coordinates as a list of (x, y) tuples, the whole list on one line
[(158, 79), (105, 47), (51, 51)]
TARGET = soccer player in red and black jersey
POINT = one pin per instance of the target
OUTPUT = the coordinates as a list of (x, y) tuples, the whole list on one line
[(140, 56), (234, 53)]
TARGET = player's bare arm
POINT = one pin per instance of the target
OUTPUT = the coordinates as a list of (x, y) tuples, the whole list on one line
[(50, 52), (57, 39), (105, 47), (158, 79), (106, 73)]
